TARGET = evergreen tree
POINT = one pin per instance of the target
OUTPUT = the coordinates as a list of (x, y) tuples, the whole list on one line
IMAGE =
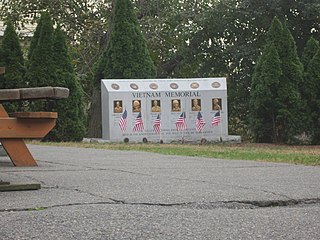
[(263, 92), (71, 118), (309, 51), (41, 69), (291, 107), (12, 60), (126, 57), (313, 75), (309, 88), (35, 37), (288, 117)]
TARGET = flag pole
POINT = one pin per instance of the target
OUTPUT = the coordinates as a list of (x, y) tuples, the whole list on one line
[(160, 129), (184, 116), (220, 127)]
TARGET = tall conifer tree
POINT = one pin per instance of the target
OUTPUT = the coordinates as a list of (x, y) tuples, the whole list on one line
[(263, 92), (35, 37), (12, 60), (290, 116), (126, 56), (41, 69), (309, 89), (309, 51), (313, 75), (71, 118)]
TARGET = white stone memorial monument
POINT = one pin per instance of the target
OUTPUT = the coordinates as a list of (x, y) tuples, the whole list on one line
[(164, 109)]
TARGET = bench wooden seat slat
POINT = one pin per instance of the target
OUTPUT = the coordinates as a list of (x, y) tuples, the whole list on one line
[(34, 115), (33, 93)]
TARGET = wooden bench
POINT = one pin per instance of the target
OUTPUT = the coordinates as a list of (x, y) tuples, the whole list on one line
[(14, 127)]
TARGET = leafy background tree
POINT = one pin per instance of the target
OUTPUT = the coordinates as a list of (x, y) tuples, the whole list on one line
[(189, 38), (12, 59)]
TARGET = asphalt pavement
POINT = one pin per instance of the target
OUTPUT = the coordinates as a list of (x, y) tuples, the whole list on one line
[(105, 194)]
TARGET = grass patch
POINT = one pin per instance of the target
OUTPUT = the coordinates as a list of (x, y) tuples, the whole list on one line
[(306, 155)]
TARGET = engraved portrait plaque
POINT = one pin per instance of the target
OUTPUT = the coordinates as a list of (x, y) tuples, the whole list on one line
[(175, 105), (117, 106), (156, 105)]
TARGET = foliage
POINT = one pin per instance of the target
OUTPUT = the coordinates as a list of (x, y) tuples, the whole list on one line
[(12, 60), (309, 90), (35, 38), (309, 51), (231, 36), (263, 93), (71, 121), (276, 105), (41, 71), (85, 22), (313, 77), (186, 38), (126, 55)]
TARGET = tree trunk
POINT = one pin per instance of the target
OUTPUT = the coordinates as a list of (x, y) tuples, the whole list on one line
[(95, 126)]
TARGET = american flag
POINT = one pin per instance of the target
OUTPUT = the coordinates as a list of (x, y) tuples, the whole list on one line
[(157, 124), (216, 119), (181, 122), (123, 121), (138, 125), (199, 122)]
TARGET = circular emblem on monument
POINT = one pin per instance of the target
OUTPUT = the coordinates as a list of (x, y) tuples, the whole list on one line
[(153, 86), (134, 86), (174, 86), (115, 86), (194, 85), (216, 85)]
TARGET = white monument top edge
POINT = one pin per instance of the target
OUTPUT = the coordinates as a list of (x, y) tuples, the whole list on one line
[(173, 84)]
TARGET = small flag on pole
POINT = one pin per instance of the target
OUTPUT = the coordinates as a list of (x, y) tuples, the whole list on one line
[(138, 125), (199, 122), (157, 124), (181, 123), (123, 121), (216, 119)]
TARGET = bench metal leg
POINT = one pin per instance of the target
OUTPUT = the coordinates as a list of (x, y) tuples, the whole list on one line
[(18, 152)]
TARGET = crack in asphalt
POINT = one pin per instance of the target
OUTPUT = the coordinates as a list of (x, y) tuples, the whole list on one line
[(236, 205)]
